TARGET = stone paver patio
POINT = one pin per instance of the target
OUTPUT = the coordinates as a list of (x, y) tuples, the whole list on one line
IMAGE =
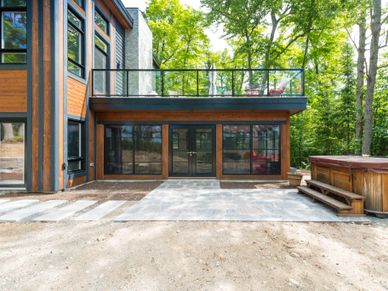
[(205, 200), (191, 200)]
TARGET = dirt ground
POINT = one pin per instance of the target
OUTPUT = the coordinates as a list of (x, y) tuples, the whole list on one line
[(101, 191), (194, 256)]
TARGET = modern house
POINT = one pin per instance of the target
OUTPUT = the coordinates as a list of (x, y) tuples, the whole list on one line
[(82, 99)]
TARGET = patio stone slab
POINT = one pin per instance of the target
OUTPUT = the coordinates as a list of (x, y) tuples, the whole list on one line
[(34, 209), (66, 211), (12, 205), (101, 210), (205, 200)]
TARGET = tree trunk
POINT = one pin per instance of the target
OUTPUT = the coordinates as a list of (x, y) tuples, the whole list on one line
[(370, 85), (8, 132), (360, 80)]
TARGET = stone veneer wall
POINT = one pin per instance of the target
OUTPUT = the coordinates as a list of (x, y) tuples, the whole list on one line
[(138, 53)]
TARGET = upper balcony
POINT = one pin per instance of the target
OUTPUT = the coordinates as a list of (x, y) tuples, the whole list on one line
[(183, 88)]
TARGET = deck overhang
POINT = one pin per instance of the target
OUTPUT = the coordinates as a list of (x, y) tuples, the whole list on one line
[(283, 103)]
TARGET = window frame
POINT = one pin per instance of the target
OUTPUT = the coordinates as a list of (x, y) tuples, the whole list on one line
[(106, 54), (83, 42), (134, 143), (82, 147), (5, 50), (251, 148), (97, 11)]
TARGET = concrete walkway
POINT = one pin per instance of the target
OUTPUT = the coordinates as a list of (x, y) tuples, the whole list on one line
[(192, 200)]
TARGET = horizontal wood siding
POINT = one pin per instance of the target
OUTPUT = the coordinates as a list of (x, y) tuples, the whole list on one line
[(193, 115), (76, 97), (13, 91)]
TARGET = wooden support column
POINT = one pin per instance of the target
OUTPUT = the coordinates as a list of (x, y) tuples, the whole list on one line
[(100, 151), (285, 149), (219, 151), (165, 146)]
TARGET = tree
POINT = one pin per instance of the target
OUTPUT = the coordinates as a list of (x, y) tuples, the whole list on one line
[(375, 27), (360, 77), (179, 38)]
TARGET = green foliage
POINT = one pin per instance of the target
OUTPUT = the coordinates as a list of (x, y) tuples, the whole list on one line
[(179, 37), (309, 34)]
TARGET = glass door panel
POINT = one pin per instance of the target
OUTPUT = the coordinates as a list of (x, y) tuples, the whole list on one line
[(203, 152), (180, 148)]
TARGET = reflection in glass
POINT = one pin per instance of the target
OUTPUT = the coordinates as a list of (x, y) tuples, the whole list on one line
[(119, 150), (133, 149), (180, 148), (74, 146), (203, 151), (12, 153), (148, 150), (236, 149), (251, 149), (265, 150)]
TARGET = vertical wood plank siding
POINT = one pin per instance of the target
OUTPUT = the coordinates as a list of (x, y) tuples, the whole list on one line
[(35, 97), (46, 95)]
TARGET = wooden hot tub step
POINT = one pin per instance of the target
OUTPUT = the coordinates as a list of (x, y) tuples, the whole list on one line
[(325, 199), (335, 190)]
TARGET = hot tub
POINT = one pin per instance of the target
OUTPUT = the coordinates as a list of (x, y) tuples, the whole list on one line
[(367, 176)]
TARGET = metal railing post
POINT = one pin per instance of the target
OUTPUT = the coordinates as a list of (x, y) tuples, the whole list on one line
[(127, 82), (197, 83), (267, 82), (232, 82), (162, 82)]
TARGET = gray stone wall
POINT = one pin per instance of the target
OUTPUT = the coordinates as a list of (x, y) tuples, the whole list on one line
[(138, 53)]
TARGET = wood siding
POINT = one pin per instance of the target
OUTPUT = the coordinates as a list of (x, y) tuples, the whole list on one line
[(13, 91), (76, 97), (371, 184)]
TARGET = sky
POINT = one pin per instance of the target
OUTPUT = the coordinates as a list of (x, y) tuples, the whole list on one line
[(214, 33)]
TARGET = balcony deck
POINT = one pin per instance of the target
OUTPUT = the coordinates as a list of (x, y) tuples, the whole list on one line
[(199, 89)]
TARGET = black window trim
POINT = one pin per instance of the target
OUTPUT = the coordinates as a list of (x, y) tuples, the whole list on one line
[(83, 44), (280, 124), (82, 157), (4, 50)]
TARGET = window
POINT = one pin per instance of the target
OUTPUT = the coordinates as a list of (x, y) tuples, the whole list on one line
[(75, 44), (80, 3), (236, 149), (101, 22), (12, 153), (100, 62), (13, 28), (75, 148), (251, 149), (133, 149)]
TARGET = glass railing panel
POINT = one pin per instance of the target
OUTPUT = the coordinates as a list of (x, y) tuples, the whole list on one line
[(198, 83)]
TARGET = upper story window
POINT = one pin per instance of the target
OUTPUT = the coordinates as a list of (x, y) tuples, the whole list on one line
[(80, 3), (101, 22), (13, 28), (75, 44)]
